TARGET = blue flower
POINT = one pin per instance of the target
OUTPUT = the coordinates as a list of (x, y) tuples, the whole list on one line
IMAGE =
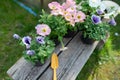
[(30, 52), (100, 12), (27, 41), (40, 40), (112, 22), (96, 19), (16, 36)]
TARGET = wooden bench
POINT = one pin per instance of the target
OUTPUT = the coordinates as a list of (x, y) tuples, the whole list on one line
[(71, 62)]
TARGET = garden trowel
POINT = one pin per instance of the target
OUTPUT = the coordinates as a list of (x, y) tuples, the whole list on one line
[(54, 65)]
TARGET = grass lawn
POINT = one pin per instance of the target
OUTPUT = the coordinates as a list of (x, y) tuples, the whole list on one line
[(102, 65), (13, 19)]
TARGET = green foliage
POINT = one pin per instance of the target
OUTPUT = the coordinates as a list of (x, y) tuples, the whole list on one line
[(94, 31), (13, 19), (58, 25), (42, 51), (86, 8), (90, 29), (78, 1)]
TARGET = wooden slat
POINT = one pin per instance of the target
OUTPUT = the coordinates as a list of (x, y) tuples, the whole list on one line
[(23, 70), (71, 61)]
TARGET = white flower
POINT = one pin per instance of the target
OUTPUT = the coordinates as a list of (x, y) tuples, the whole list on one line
[(102, 7), (94, 3), (119, 10), (112, 9), (107, 16)]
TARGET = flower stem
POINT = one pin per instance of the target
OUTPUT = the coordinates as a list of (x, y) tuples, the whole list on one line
[(62, 43)]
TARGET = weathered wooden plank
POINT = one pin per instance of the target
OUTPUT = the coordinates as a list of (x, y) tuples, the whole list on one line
[(24, 70), (71, 61), (78, 64)]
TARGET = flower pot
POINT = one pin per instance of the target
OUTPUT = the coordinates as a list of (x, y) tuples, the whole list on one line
[(69, 34), (87, 40), (38, 63), (56, 42)]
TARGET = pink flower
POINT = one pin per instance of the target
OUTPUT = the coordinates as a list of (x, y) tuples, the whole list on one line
[(72, 22), (68, 4), (54, 5), (64, 12), (80, 16), (68, 16), (57, 12), (56, 8), (43, 29), (71, 9)]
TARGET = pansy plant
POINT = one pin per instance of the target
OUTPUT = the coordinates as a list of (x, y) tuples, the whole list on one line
[(39, 47)]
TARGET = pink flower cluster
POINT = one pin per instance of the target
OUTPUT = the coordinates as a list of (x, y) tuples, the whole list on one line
[(68, 10)]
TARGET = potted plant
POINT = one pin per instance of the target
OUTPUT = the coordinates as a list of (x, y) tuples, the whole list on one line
[(38, 46), (99, 18), (91, 17), (63, 19), (52, 27)]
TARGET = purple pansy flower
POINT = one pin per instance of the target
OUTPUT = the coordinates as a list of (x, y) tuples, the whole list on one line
[(40, 40), (112, 22), (96, 19), (100, 12), (30, 52), (16, 36), (26, 40)]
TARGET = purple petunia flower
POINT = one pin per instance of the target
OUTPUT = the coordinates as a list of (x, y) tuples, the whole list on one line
[(96, 19), (40, 40), (112, 22), (26, 40), (16, 36), (30, 52), (100, 12)]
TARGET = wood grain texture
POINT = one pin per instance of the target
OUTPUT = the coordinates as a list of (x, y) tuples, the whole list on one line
[(71, 61), (23, 70)]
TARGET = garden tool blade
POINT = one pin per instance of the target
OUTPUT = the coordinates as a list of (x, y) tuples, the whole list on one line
[(54, 61)]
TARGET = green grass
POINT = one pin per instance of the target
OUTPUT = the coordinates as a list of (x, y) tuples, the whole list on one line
[(102, 65), (13, 19)]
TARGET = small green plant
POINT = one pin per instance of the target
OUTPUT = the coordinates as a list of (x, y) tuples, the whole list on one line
[(57, 24), (63, 18), (99, 19), (38, 46)]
